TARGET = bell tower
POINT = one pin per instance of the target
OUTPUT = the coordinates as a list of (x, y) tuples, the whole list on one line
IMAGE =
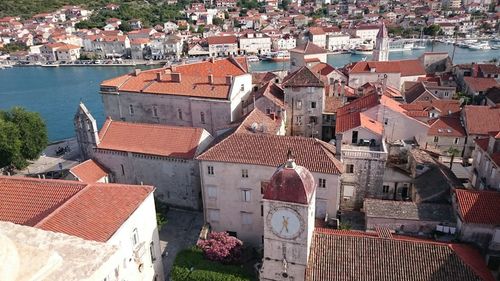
[(381, 52), (289, 203)]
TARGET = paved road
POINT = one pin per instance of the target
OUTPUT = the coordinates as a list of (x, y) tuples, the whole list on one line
[(180, 232)]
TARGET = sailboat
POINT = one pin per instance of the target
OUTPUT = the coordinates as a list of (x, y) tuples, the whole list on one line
[(420, 45)]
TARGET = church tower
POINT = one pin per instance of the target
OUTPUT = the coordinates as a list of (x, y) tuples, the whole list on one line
[(289, 202), (381, 52), (87, 134)]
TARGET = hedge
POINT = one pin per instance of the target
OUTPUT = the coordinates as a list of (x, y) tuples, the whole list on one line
[(205, 270)]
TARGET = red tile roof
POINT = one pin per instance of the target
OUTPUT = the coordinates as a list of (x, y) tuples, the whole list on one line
[(194, 79), (360, 104), (257, 122), (26, 201), (347, 255), (481, 120), (322, 68), (478, 84), (405, 67), (153, 139), (353, 120), (271, 150), (480, 207), (97, 212), (447, 126), (302, 77), (89, 171), (215, 40)]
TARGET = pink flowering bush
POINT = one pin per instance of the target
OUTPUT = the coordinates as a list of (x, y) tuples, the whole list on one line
[(221, 247)]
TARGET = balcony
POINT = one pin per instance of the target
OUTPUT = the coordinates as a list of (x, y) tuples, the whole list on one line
[(353, 151)]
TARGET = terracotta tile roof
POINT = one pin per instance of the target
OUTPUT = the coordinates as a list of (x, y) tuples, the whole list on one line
[(309, 48), (271, 150), (416, 91), (294, 185), (215, 40), (316, 31), (480, 207), (89, 171), (344, 255), (97, 212), (405, 67), (322, 68), (360, 104), (478, 84), (493, 94), (257, 122), (152, 139), (184, 80), (353, 120), (272, 92), (447, 126), (480, 120), (26, 201), (302, 77), (332, 104)]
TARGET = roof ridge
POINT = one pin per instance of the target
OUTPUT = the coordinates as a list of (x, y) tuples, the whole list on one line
[(20, 178), (58, 209)]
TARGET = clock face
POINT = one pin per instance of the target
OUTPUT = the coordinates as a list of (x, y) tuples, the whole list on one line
[(285, 223)]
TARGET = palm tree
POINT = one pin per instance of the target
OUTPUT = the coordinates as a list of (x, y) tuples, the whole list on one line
[(452, 152)]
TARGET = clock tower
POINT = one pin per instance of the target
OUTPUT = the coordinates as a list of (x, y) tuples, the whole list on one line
[(289, 203)]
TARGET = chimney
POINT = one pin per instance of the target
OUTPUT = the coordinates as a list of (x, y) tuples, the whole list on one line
[(210, 79), (229, 79), (173, 68), (159, 76), (176, 77), (212, 59), (137, 71)]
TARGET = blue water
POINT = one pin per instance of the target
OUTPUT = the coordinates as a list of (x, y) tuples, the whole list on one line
[(56, 92)]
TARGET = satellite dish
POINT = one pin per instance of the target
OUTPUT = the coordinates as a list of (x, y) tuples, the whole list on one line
[(254, 126)]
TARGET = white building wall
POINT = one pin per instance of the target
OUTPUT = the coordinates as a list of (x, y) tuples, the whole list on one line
[(144, 220), (228, 202)]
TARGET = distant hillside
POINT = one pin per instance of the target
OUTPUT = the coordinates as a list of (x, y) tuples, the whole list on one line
[(149, 11)]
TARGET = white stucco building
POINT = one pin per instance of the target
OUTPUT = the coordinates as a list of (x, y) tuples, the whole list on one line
[(255, 43), (120, 216), (235, 172)]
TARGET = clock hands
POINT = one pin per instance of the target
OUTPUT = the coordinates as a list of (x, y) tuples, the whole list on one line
[(284, 224)]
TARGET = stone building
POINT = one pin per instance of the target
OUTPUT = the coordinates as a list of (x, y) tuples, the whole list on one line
[(304, 94), (255, 43), (159, 155), (485, 174), (208, 94), (235, 172), (220, 46)]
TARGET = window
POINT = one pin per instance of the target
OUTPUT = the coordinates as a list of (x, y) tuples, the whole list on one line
[(348, 192), (246, 218), (202, 117), (135, 237), (268, 111), (385, 189), (213, 215), (446, 94), (322, 183), (313, 120), (152, 252), (212, 192), (298, 105), (242, 87), (155, 111), (131, 109), (210, 170), (179, 113), (354, 137), (349, 168), (246, 194), (298, 119), (436, 139), (261, 210), (313, 104), (244, 173), (123, 169), (386, 121), (233, 234), (456, 140)]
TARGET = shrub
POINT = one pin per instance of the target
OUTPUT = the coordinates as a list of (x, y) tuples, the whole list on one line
[(190, 265), (221, 247)]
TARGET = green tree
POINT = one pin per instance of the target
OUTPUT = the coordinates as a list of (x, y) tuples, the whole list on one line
[(218, 21), (125, 27), (25, 130), (10, 145), (432, 30)]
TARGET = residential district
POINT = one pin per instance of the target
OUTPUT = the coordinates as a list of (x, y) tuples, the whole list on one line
[(379, 170)]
